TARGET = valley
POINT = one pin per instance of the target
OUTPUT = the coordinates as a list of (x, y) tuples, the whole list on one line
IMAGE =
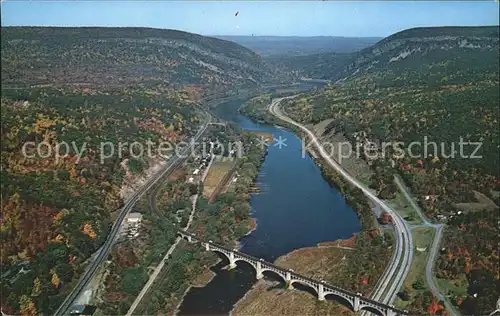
[(370, 164)]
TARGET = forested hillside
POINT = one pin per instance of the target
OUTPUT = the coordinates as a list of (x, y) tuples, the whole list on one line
[(121, 56), (415, 56), (438, 85), (57, 211), (88, 87)]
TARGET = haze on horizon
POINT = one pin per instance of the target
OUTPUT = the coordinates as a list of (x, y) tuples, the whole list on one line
[(278, 18)]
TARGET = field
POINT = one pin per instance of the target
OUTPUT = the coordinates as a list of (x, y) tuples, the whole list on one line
[(216, 175), (403, 207)]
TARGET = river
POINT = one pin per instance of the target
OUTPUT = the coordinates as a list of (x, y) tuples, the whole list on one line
[(296, 208)]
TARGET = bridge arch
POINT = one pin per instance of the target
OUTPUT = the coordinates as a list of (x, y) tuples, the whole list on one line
[(372, 309), (225, 255), (340, 299), (281, 277), (186, 237), (246, 261), (305, 284)]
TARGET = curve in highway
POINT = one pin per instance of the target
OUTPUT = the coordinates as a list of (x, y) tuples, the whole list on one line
[(396, 273), (429, 275)]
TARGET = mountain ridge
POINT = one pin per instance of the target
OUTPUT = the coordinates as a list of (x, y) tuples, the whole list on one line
[(340, 66), (102, 55)]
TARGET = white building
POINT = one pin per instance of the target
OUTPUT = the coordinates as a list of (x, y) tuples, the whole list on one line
[(133, 223), (134, 218)]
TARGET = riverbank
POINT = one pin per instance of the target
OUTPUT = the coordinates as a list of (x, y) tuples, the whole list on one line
[(364, 257), (281, 212), (269, 297), (227, 218)]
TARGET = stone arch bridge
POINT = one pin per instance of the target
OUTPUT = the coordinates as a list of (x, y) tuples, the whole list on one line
[(356, 300)]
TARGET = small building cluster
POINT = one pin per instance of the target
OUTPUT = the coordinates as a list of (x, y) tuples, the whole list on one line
[(446, 216), (204, 161), (178, 215), (134, 221)]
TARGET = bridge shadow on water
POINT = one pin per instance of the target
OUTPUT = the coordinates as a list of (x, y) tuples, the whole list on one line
[(236, 282)]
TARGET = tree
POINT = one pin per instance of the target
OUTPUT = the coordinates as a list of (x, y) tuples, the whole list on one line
[(55, 279), (27, 307), (36, 288), (419, 284)]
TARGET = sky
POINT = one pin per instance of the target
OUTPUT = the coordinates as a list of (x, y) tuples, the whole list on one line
[(283, 18)]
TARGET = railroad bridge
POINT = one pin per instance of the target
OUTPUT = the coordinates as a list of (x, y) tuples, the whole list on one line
[(322, 289)]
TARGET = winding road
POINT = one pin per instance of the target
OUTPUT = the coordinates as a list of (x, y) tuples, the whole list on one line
[(129, 204), (429, 275), (386, 289)]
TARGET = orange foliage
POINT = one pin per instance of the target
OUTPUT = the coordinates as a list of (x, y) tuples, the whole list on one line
[(88, 230), (467, 266), (433, 308)]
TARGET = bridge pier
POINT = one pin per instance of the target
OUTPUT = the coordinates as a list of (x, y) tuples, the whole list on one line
[(321, 291), (288, 280), (259, 274), (232, 262), (355, 304), (321, 288)]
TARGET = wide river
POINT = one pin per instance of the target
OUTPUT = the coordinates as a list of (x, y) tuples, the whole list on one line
[(296, 208)]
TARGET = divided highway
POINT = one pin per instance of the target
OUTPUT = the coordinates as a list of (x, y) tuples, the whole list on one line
[(388, 286), (129, 204)]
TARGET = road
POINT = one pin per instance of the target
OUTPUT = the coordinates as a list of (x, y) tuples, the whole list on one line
[(394, 276), (129, 204), (408, 197), (429, 275), (158, 269)]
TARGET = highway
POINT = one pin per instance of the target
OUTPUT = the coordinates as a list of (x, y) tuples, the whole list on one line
[(388, 286), (429, 275), (129, 204)]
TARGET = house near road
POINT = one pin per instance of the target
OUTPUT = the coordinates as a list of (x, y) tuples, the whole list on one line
[(178, 215), (134, 218), (134, 221)]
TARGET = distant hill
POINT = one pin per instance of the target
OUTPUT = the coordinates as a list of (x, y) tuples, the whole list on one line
[(297, 46), (409, 55), (118, 56)]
